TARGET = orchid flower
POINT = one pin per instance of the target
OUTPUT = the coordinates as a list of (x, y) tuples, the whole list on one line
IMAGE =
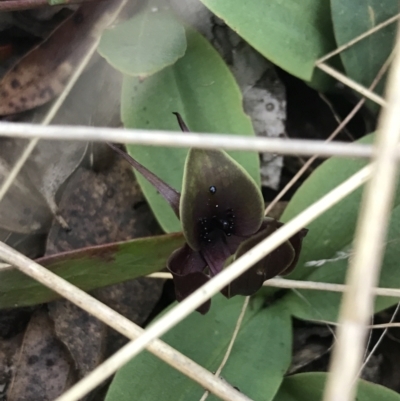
[(221, 210)]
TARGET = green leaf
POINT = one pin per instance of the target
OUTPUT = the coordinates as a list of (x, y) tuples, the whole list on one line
[(292, 34), (328, 245), (363, 60), (201, 88), (144, 44), (310, 387), (90, 268), (254, 366)]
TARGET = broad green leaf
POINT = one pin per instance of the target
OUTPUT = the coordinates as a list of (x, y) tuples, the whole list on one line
[(328, 245), (310, 387), (200, 87), (363, 60), (259, 358), (292, 34), (90, 268), (145, 44)]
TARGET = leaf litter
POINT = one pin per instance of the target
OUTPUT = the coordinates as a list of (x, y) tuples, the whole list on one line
[(43, 73)]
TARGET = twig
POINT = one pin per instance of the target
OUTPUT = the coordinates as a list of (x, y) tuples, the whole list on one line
[(358, 38), (364, 268), (352, 84), (336, 115), (301, 285), (230, 346), (370, 326), (197, 298), (185, 140), (119, 323)]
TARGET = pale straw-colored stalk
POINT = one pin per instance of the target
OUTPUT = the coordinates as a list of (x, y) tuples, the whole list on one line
[(364, 35), (186, 140), (363, 273), (305, 285), (352, 84)]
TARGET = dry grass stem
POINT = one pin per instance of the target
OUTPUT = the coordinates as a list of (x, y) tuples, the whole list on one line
[(187, 140), (364, 268), (119, 323), (302, 285), (358, 38), (352, 84), (336, 116), (231, 343), (317, 286), (370, 326), (339, 128), (218, 282)]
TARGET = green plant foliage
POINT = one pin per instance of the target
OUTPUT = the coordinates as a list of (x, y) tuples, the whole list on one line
[(363, 60), (327, 247), (310, 387), (90, 268), (292, 34), (200, 87), (144, 44), (259, 359)]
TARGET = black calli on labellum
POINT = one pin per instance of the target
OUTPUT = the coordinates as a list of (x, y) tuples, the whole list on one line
[(221, 210)]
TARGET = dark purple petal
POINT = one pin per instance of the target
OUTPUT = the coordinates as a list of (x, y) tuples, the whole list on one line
[(169, 193), (218, 197), (273, 264), (296, 241), (215, 254), (186, 267)]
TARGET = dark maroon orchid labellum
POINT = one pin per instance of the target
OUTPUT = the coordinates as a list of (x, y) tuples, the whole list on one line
[(222, 215)]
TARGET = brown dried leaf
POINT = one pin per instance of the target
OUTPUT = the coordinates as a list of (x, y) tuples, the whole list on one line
[(81, 333), (43, 73), (43, 371)]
